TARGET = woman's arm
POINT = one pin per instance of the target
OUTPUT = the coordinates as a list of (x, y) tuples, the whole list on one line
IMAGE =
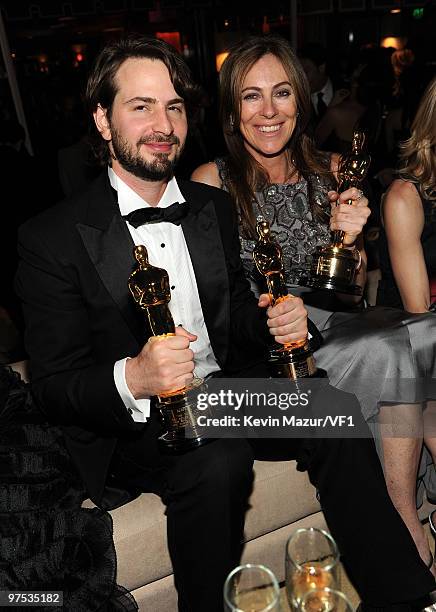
[(208, 174), (403, 219)]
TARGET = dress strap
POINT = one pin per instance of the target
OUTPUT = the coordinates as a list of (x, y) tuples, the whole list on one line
[(223, 172)]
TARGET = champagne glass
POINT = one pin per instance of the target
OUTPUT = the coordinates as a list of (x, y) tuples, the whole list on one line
[(312, 561), (251, 588), (325, 600)]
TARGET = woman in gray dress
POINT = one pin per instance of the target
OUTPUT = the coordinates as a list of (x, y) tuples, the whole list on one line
[(385, 357)]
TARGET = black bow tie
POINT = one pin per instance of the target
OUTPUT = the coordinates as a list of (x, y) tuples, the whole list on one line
[(172, 214), (321, 106)]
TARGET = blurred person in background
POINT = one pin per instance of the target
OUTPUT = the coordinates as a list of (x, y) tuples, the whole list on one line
[(408, 240)]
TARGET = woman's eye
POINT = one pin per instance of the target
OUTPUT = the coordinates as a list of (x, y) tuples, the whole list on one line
[(283, 93), (251, 96)]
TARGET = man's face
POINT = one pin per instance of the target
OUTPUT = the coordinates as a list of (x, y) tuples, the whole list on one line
[(147, 127)]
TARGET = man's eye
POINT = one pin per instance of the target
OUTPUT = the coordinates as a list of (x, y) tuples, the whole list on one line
[(141, 107), (178, 109)]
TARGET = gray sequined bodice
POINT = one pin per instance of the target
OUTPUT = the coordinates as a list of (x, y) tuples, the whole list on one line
[(286, 208)]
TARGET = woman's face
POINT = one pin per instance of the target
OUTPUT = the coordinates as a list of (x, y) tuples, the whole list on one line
[(268, 108)]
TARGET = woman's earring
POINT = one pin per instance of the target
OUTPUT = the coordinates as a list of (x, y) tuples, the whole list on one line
[(232, 122)]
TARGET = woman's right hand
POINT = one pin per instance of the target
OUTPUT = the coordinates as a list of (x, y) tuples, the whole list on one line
[(349, 217)]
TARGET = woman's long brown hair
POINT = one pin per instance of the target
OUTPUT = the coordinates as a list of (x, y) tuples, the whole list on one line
[(245, 174)]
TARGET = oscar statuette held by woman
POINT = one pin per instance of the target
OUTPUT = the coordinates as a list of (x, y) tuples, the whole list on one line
[(294, 359), (335, 266)]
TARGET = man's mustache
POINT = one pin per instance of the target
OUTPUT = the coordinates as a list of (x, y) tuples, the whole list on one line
[(159, 139)]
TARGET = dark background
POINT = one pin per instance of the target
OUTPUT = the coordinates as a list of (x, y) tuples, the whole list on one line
[(54, 42)]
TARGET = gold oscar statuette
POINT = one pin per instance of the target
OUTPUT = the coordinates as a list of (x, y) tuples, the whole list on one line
[(334, 266), (150, 289), (292, 360)]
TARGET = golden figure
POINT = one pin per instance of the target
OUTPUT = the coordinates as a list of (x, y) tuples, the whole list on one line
[(150, 288), (267, 256), (293, 359), (353, 168)]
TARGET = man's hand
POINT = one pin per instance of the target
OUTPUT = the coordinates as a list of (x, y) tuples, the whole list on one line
[(164, 364), (287, 320), (339, 96), (349, 217)]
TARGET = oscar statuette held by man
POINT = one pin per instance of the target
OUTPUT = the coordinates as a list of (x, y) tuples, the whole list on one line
[(150, 288)]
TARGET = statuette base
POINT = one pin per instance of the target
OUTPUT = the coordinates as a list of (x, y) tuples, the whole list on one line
[(334, 268), (179, 414), (293, 363)]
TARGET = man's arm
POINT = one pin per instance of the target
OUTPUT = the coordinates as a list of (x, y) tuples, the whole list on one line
[(72, 387)]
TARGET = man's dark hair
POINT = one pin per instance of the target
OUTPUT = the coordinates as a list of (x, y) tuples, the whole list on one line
[(101, 88), (314, 52)]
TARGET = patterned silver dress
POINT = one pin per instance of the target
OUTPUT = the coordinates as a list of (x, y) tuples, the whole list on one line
[(382, 355)]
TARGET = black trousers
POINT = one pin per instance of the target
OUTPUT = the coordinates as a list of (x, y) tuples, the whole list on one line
[(206, 493)]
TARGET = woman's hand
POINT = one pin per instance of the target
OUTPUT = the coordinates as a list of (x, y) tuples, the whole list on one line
[(349, 218)]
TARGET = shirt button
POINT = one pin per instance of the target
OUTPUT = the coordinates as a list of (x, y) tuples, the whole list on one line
[(163, 245), (130, 411), (173, 286)]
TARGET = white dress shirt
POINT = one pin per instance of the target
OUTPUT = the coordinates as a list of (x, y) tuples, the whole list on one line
[(167, 249)]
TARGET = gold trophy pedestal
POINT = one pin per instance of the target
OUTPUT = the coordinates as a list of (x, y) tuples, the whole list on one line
[(336, 268), (295, 363), (179, 415)]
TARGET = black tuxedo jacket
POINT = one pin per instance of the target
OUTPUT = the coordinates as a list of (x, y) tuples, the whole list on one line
[(80, 318)]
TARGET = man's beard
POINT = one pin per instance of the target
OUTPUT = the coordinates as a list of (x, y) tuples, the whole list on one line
[(161, 168)]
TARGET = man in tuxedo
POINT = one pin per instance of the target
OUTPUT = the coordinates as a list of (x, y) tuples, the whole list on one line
[(95, 371), (313, 59)]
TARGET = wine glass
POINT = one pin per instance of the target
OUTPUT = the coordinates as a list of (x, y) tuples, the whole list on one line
[(251, 588), (325, 600), (312, 561)]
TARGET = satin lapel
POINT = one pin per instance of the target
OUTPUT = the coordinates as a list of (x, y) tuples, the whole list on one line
[(110, 248), (202, 236)]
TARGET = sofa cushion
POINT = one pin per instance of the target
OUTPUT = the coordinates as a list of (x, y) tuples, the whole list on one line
[(281, 496), (141, 541)]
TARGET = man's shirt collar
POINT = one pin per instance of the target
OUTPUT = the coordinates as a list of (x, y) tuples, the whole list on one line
[(129, 200)]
